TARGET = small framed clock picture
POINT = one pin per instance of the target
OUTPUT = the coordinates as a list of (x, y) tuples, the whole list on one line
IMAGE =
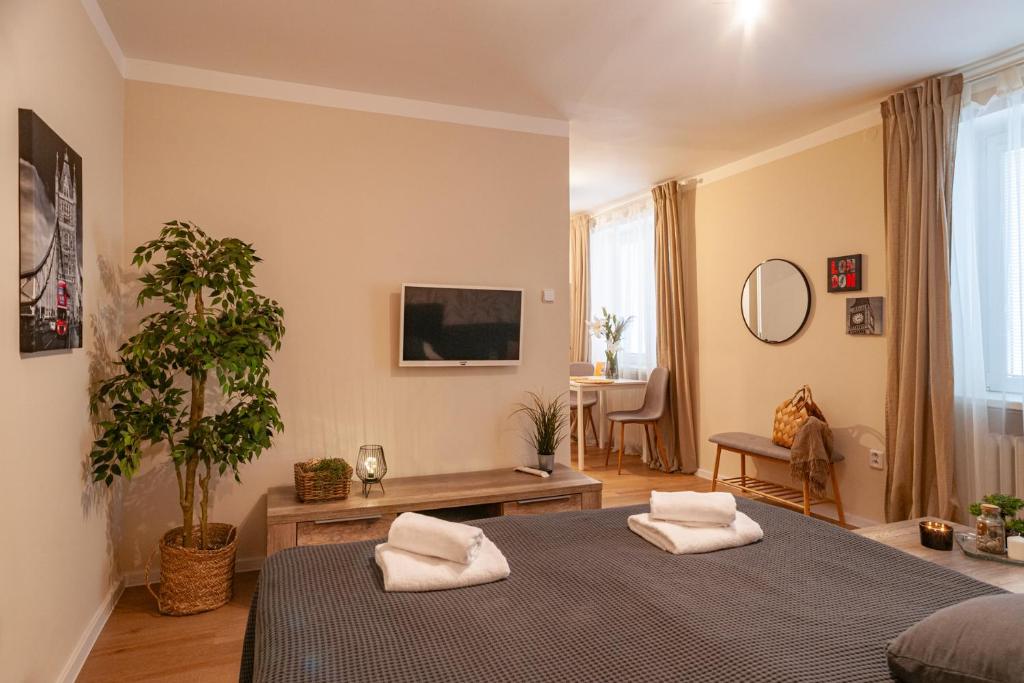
[(845, 273)]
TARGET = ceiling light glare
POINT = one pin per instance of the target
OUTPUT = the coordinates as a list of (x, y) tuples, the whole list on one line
[(749, 11)]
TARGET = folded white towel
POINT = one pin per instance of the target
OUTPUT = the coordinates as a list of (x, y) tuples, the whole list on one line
[(435, 537), (696, 509), (680, 540), (409, 572)]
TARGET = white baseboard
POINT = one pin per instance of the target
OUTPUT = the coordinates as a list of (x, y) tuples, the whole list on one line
[(827, 509), (88, 638), (83, 647), (137, 577)]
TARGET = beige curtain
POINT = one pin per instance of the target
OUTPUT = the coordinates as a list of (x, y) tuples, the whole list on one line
[(579, 288), (674, 268), (919, 131)]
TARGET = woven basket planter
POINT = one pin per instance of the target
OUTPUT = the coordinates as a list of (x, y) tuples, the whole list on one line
[(193, 580), (312, 486)]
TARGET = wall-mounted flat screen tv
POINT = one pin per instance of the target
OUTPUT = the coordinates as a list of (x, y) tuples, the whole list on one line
[(460, 325)]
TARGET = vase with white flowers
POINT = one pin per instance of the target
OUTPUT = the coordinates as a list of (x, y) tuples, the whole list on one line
[(610, 328)]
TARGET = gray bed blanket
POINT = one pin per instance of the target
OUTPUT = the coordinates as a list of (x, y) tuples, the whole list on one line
[(588, 600)]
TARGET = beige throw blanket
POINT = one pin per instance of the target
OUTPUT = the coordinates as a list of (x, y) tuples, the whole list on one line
[(811, 454)]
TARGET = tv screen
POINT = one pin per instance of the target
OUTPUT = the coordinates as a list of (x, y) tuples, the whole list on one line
[(449, 325)]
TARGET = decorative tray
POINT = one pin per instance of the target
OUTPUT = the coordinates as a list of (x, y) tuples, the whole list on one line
[(968, 543), (592, 380)]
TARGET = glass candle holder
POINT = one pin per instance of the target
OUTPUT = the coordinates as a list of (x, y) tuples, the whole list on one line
[(371, 467), (936, 535), (1015, 548)]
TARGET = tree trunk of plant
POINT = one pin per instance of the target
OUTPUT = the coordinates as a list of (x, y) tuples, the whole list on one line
[(204, 484), (188, 503), (198, 407)]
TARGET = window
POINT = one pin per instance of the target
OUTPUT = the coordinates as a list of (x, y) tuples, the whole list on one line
[(622, 281), (988, 241)]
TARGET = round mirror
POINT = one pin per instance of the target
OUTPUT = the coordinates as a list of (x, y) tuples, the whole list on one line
[(776, 301)]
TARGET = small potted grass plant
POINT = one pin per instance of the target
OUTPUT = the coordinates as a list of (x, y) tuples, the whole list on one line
[(548, 420)]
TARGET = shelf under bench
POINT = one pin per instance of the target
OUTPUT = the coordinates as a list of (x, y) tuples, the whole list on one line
[(778, 493), (754, 446)]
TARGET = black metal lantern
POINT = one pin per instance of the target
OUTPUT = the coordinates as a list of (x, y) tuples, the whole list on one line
[(371, 467)]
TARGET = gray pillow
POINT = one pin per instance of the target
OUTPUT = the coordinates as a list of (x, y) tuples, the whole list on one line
[(976, 640)]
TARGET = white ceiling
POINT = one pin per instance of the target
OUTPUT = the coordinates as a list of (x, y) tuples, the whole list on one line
[(653, 88)]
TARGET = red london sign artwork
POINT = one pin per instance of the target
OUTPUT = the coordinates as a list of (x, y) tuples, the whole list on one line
[(845, 273)]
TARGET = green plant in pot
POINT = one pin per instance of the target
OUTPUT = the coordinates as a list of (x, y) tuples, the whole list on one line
[(1008, 505), (194, 379), (549, 421)]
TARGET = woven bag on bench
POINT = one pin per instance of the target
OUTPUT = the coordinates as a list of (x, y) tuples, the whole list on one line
[(791, 415)]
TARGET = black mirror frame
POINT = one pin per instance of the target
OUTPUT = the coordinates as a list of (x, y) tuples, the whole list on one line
[(807, 312)]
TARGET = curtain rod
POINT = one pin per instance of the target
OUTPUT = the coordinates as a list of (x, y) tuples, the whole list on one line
[(983, 68), (685, 183)]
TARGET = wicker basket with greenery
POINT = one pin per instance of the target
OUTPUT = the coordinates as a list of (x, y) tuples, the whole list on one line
[(326, 479)]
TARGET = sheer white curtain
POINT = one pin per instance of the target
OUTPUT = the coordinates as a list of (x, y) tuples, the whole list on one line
[(987, 287), (622, 281)]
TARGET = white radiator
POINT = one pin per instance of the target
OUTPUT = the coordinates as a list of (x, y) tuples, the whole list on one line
[(1003, 471)]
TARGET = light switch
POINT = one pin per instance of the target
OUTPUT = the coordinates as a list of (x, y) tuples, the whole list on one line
[(549, 296)]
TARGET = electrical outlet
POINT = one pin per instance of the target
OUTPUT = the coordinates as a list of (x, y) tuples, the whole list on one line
[(876, 459)]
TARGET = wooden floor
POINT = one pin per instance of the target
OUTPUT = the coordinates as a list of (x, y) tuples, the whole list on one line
[(138, 644)]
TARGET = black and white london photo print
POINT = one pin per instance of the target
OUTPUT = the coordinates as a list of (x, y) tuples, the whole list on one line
[(50, 229), (864, 316)]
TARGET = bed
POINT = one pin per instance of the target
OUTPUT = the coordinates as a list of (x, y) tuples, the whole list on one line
[(588, 600)]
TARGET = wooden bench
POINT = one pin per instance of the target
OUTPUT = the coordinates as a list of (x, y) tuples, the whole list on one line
[(761, 447)]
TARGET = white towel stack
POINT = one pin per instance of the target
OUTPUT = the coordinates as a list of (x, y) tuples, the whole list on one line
[(688, 522), (425, 554), (694, 509)]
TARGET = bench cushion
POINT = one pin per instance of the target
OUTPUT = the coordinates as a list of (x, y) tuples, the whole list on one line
[(756, 445)]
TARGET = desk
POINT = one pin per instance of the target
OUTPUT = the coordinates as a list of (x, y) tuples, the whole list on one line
[(905, 536), (599, 389)]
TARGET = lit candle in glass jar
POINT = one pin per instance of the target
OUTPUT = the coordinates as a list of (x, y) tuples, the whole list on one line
[(936, 535)]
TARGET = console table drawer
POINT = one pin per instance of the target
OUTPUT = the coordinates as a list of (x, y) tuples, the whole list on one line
[(541, 506), (343, 530)]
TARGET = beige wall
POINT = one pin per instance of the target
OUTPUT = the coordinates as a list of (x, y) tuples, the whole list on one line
[(345, 206), (826, 201), (56, 564)]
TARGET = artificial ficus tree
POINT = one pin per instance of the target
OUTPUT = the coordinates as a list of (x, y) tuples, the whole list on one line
[(212, 332)]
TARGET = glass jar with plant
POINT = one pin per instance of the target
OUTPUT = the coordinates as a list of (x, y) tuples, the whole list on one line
[(610, 328), (194, 382), (1008, 506), (548, 420)]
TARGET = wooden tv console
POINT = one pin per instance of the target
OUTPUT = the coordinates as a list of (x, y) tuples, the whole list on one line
[(456, 497)]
